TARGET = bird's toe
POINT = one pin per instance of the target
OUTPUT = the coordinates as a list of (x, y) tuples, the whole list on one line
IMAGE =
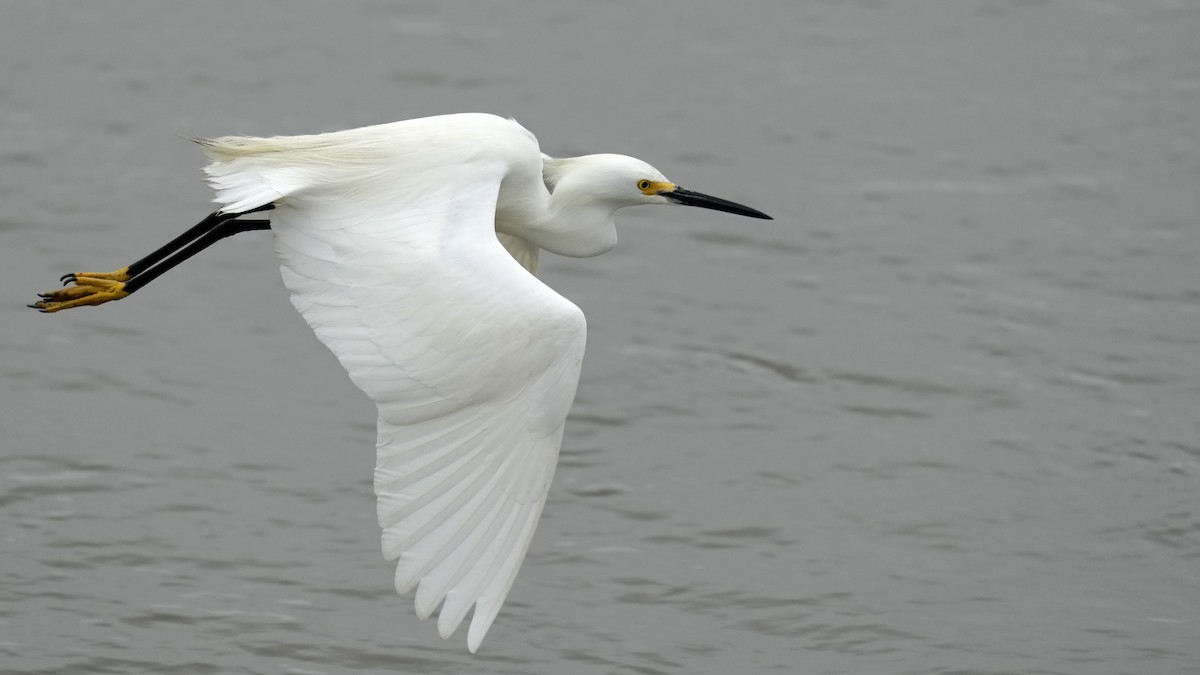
[(87, 291)]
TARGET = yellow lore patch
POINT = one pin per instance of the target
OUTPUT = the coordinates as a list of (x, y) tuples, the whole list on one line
[(654, 187)]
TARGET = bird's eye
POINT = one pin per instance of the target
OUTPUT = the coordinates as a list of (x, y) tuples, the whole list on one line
[(643, 184)]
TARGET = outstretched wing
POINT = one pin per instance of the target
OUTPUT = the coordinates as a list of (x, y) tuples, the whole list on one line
[(472, 361)]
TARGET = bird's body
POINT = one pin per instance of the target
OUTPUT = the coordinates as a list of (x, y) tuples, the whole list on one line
[(411, 249), (472, 361)]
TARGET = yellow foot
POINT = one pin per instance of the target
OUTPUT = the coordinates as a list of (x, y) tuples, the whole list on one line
[(91, 288), (74, 277)]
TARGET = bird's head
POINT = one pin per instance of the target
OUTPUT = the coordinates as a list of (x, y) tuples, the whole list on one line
[(585, 194), (627, 181)]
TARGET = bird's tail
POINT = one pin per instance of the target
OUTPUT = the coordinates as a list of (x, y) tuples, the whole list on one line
[(247, 172)]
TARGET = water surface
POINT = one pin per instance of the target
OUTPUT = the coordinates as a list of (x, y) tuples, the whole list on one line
[(940, 416)]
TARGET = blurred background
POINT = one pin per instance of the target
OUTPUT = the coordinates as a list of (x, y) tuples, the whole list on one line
[(939, 416)]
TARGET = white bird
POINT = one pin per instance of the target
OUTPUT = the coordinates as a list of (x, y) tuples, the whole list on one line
[(411, 249)]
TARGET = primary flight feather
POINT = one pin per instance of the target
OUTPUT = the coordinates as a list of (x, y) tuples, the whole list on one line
[(411, 249)]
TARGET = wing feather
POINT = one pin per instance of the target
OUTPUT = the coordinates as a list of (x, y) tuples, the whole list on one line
[(521, 250), (387, 241)]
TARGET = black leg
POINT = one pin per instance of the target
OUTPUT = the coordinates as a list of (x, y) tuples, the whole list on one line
[(226, 228), (94, 288), (214, 220)]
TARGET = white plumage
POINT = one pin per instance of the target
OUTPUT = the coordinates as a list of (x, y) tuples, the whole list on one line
[(411, 249)]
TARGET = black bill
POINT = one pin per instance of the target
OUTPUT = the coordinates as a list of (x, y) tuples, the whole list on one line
[(689, 198)]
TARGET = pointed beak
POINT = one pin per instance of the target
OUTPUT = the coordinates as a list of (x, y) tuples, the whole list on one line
[(689, 198)]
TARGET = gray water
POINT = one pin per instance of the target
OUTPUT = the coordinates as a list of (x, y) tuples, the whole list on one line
[(940, 416)]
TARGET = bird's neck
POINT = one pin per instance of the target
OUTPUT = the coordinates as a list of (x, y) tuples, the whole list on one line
[(569, 224)]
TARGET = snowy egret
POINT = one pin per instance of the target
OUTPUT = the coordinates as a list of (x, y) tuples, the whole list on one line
[(411, 249)]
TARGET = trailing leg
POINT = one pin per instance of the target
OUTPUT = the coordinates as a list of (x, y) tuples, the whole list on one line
[(95, 288)]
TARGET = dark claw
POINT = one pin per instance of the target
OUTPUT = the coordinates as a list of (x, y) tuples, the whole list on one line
[(68, 279)]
